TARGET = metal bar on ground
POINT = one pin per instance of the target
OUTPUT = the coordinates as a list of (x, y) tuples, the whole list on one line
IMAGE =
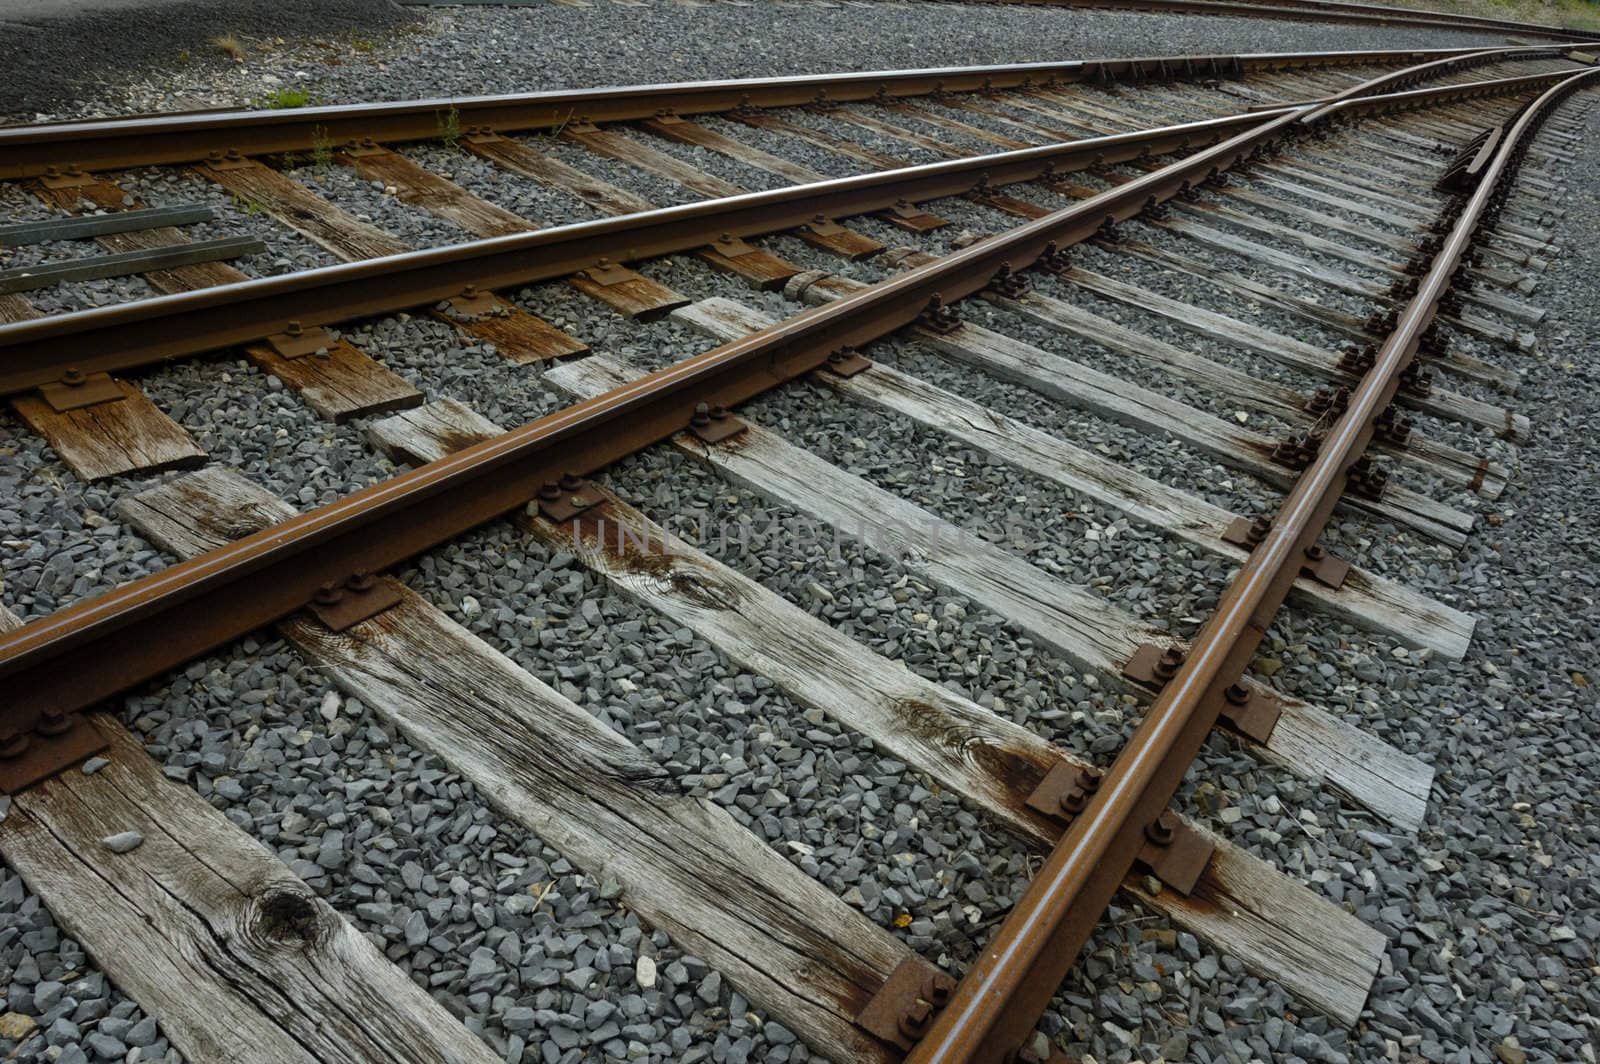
[(123, 263), (88, 225)]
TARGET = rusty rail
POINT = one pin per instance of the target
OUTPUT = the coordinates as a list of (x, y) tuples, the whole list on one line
[(1313, 11), (102, 144), (130, 335), (142, 629), (994, 1009)]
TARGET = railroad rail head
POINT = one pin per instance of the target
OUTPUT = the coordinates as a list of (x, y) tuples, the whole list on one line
[(105, 144)]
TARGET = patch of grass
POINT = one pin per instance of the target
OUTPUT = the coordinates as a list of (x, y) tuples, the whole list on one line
[(230, 45), (361, 44), (321, 148), (246, 204), (288, 99), (450, 128)]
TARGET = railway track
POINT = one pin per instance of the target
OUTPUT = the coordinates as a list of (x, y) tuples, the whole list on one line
[(1289, 287), (1319, 11)]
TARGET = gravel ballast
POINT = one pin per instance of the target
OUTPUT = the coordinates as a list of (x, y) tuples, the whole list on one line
[(1488, 910), (485, 49)]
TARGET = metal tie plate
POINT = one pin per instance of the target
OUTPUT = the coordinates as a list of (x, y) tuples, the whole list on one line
[(76, 390)]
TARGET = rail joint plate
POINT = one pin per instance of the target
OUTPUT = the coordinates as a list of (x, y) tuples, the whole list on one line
[(1251, 712), (297, 341), (55, 744), (847, 362), (606, 274), (1153, 664), (76, 390), (903, 1008), (731, 247), (1175, 853), (473, 302), (1064, 791), (715, 424), (69, 178), (359, 598), (565, 500), (1326, 569)]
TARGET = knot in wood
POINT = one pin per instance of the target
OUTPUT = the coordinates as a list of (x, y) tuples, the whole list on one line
[(287, 915)]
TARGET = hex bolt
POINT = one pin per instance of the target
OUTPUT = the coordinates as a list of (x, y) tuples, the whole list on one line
[(1167, 666), (14, 746), (359, 582), (915, 1019), (73, 378), (328, 594), (571, 482), (702, 415), (937, 988), (469, 291), (719, 413), (550, 491), (294, 328), (1163, 829), (1237, 694), (52, 722), (1315, 553)]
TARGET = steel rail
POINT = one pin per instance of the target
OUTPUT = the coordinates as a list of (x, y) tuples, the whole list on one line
[(1392, 13), (145, 332), (1311, 11), (996, 1005), (100, 144), (98, 647), (153, 330)]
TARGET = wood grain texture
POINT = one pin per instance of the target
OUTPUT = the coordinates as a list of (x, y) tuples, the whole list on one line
[(686, 132), (521, 159), (918, 111), (421, 187), (430, 432), (1142, 407), (684, 864), (901, 133), (827, 142), (190, 515), (842, 242), (1449, 461), (208, 931), (519, 336), (15, 308), (1442, 460), (1255, 252), (113, 439), (614, 144), (1365, 599), (305, 211), (1073, 621), (1317, 950), (340, 385), (637, 297)]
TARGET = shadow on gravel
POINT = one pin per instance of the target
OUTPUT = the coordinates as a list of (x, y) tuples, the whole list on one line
[(53, 51)]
